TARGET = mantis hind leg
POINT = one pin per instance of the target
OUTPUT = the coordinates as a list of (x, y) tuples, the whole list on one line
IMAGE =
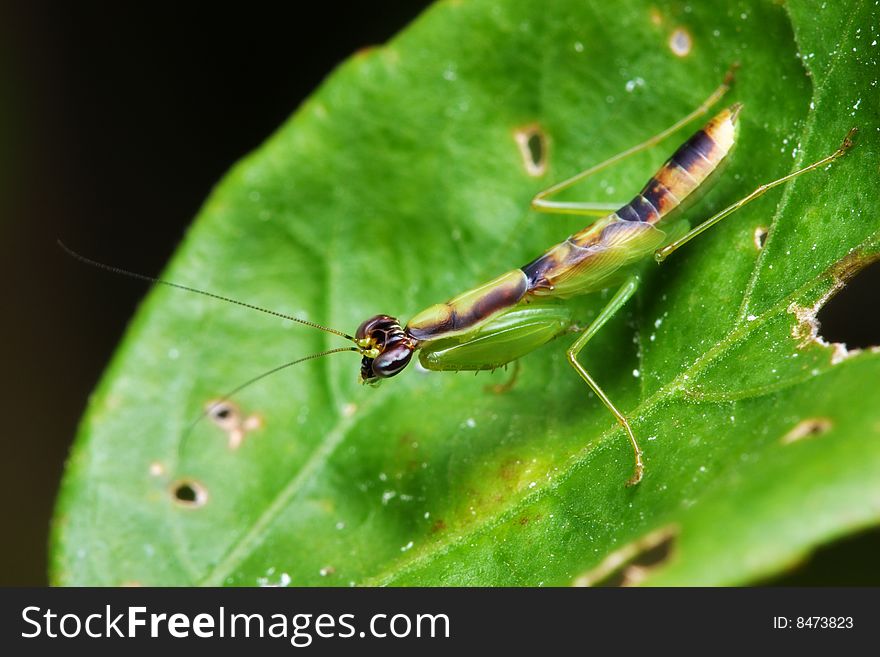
[(617, 301), (541, 202), (661, 254)]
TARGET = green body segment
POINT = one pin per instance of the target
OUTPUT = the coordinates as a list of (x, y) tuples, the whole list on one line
[(462, 314), (511, 333), (594, 259)]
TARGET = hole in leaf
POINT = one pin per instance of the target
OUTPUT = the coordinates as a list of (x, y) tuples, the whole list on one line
[(532, 143), (851, 268), (536, 149), (680, 42), (814, 426), (224, 413), (189, 493), (850, 561), (632, 563), (228, 417), (760, 237), (852, 316)]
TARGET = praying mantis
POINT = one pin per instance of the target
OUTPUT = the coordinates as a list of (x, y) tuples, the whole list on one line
[(504, 319)]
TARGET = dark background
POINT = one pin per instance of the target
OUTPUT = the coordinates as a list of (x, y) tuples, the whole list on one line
[(116, 119)]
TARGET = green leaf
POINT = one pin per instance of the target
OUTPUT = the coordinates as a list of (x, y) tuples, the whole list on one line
[(399, 184)]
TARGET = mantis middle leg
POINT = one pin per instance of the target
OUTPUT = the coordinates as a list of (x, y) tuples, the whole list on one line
[(661, 254), (541, 203), (617, 301)]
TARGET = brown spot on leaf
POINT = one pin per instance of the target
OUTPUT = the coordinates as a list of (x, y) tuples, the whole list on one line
[(631, 564), (851, 264), (656, 16), (509, 469), (252, 422), (814, 426)]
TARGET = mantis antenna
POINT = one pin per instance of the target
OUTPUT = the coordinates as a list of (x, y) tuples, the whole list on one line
[(152, 279)]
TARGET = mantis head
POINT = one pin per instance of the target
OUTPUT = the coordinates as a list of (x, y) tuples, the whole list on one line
[(386, 348)]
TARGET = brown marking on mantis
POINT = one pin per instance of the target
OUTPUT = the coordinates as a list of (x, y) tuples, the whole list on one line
[(631, 564)]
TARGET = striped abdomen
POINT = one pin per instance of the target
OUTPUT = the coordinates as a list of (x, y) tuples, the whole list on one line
[(587, 260), (685, 171)]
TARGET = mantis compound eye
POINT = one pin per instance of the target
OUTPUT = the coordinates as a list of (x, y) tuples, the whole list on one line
[(392, 361)]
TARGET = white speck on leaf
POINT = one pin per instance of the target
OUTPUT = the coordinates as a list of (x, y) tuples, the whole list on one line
[(631, 85), (680, 42)]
